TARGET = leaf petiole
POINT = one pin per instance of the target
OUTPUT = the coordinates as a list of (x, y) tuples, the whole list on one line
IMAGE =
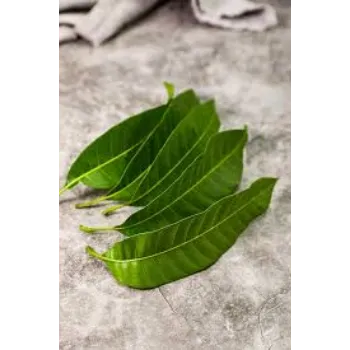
[(91, 230), (113, 208), (63, 189), (91, 203)]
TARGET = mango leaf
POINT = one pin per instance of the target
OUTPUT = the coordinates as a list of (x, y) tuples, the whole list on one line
[(213, 175), (152, 259), (102, 163), (184, 145), (178, 109), (126, 192)]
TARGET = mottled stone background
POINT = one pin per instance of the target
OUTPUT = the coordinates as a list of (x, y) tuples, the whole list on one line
[(243, 301)]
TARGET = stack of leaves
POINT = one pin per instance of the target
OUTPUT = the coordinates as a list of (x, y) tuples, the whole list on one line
[(173, 162)]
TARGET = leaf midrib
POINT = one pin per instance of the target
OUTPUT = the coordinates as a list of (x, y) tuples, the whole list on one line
[(190, 189), (115, 194), (192, 239), (177, 164), (100, 166), (147, 138)]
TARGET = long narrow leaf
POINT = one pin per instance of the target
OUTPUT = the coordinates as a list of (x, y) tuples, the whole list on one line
[(101, 164), (178, 109), (213, 175), (184, 145), (138, 166), (217, 173), (151, 259)]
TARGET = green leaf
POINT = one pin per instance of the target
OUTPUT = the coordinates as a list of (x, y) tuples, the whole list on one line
[(178, 109), (101, 164), (184, 145), (214, 174), (128, 191), (152, 259), (170, 88)]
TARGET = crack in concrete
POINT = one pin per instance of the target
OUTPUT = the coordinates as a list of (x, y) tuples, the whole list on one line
[(167, 301), (282, 291), (173, 310), (273, 342)]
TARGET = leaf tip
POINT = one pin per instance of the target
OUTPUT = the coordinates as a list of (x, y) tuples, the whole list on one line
[(266, 181), (271, 185), (244, 133), (211, 103), (170, 88), (272, 180), (246, 130), (265, 184)]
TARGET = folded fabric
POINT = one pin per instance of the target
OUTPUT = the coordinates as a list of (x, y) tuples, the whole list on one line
[(98, 20)]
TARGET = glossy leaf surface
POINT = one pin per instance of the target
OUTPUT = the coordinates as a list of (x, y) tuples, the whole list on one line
[(178, 109), (213, 175), (184, 145), (154, 258), (101, 164)]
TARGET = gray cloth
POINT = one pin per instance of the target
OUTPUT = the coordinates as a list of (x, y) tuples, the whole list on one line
[(98, 20)]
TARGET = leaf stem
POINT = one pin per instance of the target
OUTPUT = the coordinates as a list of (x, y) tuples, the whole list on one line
[(91, 230), (68, 186), (92, 252), (64, 189), (90, 203), (113, 208)]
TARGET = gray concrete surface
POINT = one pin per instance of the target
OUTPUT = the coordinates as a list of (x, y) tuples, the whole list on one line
[(243, 301)]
